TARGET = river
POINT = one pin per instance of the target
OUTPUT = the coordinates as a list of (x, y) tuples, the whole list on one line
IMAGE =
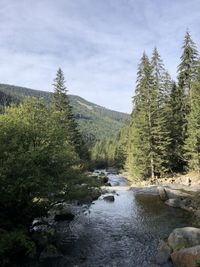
[(125, 232)]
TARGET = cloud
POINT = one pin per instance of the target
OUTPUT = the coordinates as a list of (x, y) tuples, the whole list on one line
[(97, 43)]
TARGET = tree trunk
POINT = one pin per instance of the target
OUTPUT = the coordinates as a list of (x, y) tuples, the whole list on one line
[(152, 168)]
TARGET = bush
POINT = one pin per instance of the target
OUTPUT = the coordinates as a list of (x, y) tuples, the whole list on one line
[(14, 246)]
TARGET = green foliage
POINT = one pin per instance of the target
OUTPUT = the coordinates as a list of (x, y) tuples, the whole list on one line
[(111, 152), (35, 159), (197, 263), (13, 246)]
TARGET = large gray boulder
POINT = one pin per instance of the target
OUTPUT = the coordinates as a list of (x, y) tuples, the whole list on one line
[(187, 257), (184, 237)]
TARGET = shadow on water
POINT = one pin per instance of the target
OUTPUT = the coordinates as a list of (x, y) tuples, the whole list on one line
[(123, 233)]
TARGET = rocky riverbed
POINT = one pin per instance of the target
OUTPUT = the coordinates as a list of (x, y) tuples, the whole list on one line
[(182, 247), (124, 227)]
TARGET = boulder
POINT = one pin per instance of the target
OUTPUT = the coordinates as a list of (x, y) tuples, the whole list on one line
[(64, 217), (184, 237), (104, 179), (108, 184), (174, 202), (162, 193), (109, 198), (176, 193), (163, 253), (186, 257)]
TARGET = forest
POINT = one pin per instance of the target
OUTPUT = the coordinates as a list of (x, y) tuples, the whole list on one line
[(163, 136), (43, 159)]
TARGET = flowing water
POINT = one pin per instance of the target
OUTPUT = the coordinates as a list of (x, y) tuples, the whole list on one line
[(125, 232)]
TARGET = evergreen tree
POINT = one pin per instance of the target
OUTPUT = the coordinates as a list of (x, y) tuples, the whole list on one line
[(179, 103), (161, 131), (192, 144), (177, 123), (149, 133), (187, 70), (61, 103), (141, 154)]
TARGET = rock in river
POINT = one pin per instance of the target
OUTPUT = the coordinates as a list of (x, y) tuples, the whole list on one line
[(108, 184), (64, 217), (109, 198), (186, 257), (162, 193), (184, 238)]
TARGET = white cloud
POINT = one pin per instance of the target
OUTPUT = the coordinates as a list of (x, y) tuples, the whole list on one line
[(97, 43)]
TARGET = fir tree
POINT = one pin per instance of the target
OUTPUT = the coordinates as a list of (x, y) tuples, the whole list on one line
[(177, 123), (61, 103), (187, 69), (192, 144), (161, 131), (141, 155)]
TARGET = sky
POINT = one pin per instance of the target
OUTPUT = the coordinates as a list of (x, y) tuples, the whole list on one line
[(97, 43)]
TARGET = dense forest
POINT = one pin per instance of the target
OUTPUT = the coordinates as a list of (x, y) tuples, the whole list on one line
[(163, 136)]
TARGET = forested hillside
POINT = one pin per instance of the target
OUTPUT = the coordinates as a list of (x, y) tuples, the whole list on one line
[(96, 122)]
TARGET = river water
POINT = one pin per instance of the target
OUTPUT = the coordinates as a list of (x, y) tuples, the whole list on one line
[(125, 232)]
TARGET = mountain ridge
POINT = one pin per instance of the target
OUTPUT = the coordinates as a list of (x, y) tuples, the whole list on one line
[(96, 122)]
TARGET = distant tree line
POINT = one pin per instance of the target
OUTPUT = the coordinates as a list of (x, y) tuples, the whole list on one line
[(163, 135)]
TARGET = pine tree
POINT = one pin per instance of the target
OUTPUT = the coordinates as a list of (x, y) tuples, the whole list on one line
[(61, 103), (161, 131), (180, 105), (187, 70), (141, 155), (177, 123), (192, 143)]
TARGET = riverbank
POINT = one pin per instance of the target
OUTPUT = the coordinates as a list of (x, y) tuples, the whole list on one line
[(182, 246)]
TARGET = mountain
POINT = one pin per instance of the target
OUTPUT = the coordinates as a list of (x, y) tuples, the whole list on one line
[(96, 122)]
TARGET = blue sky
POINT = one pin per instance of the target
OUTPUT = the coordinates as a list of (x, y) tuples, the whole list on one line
[(97, 43)]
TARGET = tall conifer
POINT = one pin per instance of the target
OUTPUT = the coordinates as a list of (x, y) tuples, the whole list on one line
[(62, 104), (192, 143), (187, 69)]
